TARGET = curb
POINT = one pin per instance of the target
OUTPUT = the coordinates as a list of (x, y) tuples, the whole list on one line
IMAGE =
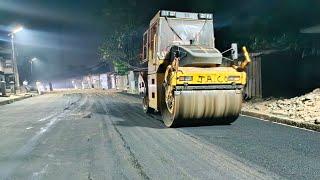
[(289, 122), (9, 101)]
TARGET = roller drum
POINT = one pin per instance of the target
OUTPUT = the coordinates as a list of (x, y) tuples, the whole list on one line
[(192, 107)]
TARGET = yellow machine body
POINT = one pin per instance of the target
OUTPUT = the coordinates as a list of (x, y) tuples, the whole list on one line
[(208, 76), (187, 80)]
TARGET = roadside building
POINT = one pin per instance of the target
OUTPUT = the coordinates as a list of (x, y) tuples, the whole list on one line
[(104, 81), (122, 82), (6, 68), (104, 77), (133, 78), (8, 71), (95, 81), (2, 78), (77, 84), (2, 66), (112, 81), (101, 77)]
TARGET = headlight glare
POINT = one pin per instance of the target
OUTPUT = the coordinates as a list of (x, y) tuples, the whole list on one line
[(233, 78), (185, 78)]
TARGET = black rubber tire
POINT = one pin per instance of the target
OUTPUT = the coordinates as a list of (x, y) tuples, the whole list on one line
[(167, 117)]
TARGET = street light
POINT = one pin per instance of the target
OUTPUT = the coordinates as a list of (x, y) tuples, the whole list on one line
[(31, 62), (14, 62), (17, 29)]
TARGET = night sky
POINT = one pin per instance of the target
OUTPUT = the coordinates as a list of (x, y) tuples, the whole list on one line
[(65, 34)]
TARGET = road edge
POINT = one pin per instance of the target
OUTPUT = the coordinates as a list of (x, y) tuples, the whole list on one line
[(276, 119), (10, 101)]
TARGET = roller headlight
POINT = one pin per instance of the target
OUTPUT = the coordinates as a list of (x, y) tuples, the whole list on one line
[(185, 78), (234, 78)]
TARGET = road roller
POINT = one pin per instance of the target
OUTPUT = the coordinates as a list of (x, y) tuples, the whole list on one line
[(188, 80)]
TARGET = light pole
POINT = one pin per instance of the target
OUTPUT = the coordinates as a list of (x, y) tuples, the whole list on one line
[(31, 63), (14, 61)]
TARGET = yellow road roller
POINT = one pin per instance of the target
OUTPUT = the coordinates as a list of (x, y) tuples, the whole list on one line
[(188, 80)]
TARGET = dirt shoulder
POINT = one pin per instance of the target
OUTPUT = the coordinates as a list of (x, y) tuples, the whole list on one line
[(298, 111)]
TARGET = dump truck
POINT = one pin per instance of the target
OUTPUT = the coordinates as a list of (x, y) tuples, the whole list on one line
[(187, 80)]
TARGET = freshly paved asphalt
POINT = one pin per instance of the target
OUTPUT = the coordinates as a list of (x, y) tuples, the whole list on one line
[(105, 135)]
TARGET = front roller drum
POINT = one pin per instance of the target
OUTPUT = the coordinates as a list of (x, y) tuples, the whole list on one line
[(201, 107)]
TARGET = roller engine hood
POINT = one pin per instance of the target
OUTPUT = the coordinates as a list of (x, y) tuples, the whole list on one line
[(197, 56)]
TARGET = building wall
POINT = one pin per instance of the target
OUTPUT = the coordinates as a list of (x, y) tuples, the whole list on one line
[(104, 81), (127, 83), (8, 68), (95, 81), (64, 84), (133, 82), (112, 81), (2, 65), (122, 82), (253, 88)]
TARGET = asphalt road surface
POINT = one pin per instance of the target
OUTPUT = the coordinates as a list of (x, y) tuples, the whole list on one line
[(105, 135)]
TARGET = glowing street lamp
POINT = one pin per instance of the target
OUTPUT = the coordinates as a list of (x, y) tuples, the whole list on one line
[(14, 62), (31, 62), (34, 59), (17, 29)]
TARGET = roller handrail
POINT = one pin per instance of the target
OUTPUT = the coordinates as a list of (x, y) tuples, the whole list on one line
[(246, 61)]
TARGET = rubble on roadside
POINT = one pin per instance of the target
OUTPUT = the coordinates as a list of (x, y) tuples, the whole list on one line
[(304, 108)]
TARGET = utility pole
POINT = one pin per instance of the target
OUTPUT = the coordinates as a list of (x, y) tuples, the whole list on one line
[(14, 60), (15, 65), (31, 68)]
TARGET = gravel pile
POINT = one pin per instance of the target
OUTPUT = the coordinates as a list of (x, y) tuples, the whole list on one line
[(305, 108)]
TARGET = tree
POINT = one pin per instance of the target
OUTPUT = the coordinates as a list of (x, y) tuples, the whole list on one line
[(123, 40), (122, 46)]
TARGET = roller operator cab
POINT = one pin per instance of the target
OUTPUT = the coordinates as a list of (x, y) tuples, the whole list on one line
[(187, 79)]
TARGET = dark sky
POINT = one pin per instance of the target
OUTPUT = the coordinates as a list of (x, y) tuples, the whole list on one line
[(65, 34), (60, 33)]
